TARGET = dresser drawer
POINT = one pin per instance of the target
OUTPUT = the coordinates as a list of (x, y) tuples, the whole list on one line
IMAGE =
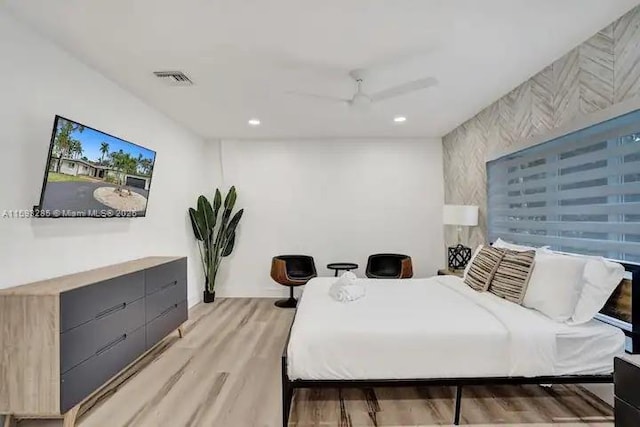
[(89, 302), (162, 275), (168, 321), (626, 381), (625, 415), (171, 294), (84, 341), (83, 379)]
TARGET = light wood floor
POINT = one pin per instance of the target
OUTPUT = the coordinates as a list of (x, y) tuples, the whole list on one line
[(225, 372)]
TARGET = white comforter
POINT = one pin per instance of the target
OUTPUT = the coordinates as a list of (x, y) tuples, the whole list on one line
[(421, 328)]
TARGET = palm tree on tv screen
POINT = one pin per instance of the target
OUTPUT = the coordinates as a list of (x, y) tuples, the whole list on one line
[(104, 150), (124, 164), (64, 140), (131, 164), (146, 165), (76, 149)]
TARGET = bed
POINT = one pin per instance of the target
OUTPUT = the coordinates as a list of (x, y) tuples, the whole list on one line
[(444, 333)]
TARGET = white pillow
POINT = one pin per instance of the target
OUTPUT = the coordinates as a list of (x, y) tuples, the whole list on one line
[(466, 269), (499, 243), (601, 278), (555, 285)]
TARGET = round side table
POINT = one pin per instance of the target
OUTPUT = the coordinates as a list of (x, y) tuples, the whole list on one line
[(341, 266)]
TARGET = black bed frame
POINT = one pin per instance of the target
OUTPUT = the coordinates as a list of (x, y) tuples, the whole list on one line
[(631, 330)]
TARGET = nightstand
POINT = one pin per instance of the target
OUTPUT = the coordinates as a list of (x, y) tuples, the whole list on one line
[(449, 272), (626, 380)]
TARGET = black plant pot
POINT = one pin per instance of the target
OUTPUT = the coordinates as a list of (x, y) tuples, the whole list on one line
[(208, 297)]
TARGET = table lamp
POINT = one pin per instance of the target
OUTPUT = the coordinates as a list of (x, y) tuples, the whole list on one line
[(461, 216)]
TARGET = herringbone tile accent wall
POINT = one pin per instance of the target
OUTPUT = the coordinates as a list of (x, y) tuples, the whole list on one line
[(602, 71)]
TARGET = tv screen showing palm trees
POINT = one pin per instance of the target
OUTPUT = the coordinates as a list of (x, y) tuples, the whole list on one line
[(93, 174)]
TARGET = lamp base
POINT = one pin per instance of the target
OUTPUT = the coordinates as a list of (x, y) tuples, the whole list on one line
[(458, 256)]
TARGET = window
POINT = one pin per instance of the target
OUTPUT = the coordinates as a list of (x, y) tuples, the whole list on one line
[(577, 193)]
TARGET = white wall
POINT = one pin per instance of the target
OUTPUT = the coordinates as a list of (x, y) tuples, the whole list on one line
[(338, 200), (39, 80)]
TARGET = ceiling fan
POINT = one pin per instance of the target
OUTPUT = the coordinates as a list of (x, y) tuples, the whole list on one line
[(363, 100)]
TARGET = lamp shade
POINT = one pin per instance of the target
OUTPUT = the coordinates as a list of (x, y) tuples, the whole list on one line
[(460, 215)]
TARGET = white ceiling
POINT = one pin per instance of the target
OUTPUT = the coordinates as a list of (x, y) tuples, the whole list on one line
[(245, 55)]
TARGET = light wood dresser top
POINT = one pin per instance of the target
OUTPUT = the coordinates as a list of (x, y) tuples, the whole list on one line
[(68, 282)]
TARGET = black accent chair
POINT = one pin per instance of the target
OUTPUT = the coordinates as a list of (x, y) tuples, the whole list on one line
[(291, 271), (389, 266)]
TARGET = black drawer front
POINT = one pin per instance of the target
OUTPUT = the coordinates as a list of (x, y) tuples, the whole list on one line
[(162, 275), (168, 321), (171, 294), (626, 381), (625, 414), (87, 303), (85, 378), (83, 342)]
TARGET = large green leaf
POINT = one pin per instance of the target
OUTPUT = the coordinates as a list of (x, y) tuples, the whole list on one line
[(230, 200), (222, 227), (231, 227), (206, 211), (228, 247), (196, 223), (217, 200), (230, 233)]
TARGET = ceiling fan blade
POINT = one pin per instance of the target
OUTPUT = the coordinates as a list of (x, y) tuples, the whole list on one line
[(404, 89), (399, 59), (327, 98)]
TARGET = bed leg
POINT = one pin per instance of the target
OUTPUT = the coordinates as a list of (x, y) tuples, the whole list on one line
[(456, 417), (287, 394)]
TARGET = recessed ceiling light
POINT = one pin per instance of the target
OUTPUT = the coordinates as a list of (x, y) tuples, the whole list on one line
[(399, 119), (254, 122)]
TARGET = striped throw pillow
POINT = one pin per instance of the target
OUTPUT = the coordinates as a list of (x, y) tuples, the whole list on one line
[(483, 267), (512, 276)]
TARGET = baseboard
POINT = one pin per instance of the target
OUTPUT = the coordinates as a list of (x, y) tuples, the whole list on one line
[(253, 293), (194, 300), (233, 292)]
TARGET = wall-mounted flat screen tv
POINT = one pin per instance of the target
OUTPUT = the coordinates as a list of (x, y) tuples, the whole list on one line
[(93, 174)]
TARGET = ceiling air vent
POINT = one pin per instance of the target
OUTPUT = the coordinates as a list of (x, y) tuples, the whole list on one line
[(173, 78)]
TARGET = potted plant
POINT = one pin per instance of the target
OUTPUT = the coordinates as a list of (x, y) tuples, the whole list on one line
[(214, 243)]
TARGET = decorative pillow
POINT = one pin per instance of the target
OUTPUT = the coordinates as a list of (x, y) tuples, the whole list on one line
[(601, 278), (475, 253), (554, 287), (483, 268), (512, 275)]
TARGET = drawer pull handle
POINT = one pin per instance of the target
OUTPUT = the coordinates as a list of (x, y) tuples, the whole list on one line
[(173, 307), (111, 310), (111, 344), (168, 285)]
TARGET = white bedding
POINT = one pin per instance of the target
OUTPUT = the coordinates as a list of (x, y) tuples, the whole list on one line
[(437, 328)]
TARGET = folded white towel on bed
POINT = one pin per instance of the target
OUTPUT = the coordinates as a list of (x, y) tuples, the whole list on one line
[(346, 288)]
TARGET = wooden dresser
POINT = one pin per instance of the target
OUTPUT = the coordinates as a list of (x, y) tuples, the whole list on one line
[(62, 339)]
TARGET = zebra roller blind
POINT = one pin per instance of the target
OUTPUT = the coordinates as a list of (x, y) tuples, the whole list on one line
[(577, 193)]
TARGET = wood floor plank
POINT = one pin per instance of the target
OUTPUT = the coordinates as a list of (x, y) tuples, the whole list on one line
[(225, 372)]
